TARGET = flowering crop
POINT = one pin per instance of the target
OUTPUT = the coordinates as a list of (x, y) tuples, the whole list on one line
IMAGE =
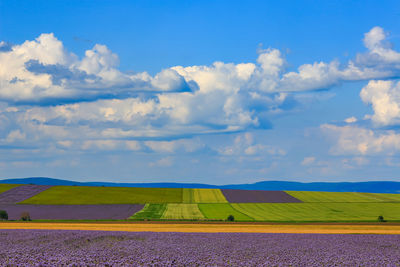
[(72, 212), (20, 193), (90, 248)]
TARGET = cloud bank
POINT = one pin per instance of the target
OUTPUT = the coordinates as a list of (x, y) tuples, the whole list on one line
[(48, 93)]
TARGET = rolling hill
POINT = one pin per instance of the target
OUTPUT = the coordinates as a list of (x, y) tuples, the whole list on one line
[(367, 187)]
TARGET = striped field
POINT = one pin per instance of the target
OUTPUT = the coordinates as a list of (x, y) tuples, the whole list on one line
[(6, 187), (319, 211), (319, 197), (190, 195), (150, 212), (182, 212)]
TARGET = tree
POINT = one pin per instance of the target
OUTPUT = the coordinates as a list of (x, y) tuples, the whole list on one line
[(230, 218), (25, 216), (3, 215), (381, 219)]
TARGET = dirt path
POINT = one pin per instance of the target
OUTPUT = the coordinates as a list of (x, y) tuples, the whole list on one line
[(211, 228)]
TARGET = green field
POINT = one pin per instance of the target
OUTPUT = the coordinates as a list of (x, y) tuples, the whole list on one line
[(182, 212), (190, 195), (319, 211), (6, 187), (150, 212), (208, 196), (210, 204), (75, 195), (222, 211), (187, 195), (307, 196)]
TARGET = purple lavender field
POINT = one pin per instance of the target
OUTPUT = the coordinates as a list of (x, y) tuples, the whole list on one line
[(21, 193), (72, 212), (99, 248), (258, 196)]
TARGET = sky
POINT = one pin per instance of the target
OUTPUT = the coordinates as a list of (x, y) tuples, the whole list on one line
[(216, 92)]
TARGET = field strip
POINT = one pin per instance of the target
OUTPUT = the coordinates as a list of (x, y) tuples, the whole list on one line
[(211, 228)]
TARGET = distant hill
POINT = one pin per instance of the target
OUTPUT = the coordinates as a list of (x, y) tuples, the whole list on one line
[(368, 187)]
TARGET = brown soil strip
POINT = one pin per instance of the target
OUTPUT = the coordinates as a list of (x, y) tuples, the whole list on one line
[(212, 228)]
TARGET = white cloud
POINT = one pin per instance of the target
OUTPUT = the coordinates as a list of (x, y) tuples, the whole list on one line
[(110, 145), (351, 120), (15, 135), (185, 145), (163, 162), (352, 140), (244, 145), (384, 96), (43, 69), (220, 98), (308, 161)]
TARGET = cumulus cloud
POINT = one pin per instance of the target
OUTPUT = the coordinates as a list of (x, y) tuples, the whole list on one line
[(353, 140), (384, 96), (179, 101), (43, 69)]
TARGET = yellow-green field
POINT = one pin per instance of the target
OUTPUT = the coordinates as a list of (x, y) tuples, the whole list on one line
[(78, 195), (6, 187), (182, 212), (211, 204), (319, 211)]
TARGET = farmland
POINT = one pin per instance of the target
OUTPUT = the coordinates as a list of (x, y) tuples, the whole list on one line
[(150, 212), (182, 212), (320, 197), (87, 195), (319, 211), (85, 202), (222, 211), (72, 212), (93, 248), (6, 187)]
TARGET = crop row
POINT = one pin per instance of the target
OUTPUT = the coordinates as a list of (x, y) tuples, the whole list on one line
[(84, 195), (271, 211), (96, 248)]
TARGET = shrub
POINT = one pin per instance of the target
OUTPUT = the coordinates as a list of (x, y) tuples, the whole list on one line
[(25, 216), (230, 218), (3, 215), (381, 219)]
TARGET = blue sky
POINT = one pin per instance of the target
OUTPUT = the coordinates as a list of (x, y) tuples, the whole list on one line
[(200, 91)]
